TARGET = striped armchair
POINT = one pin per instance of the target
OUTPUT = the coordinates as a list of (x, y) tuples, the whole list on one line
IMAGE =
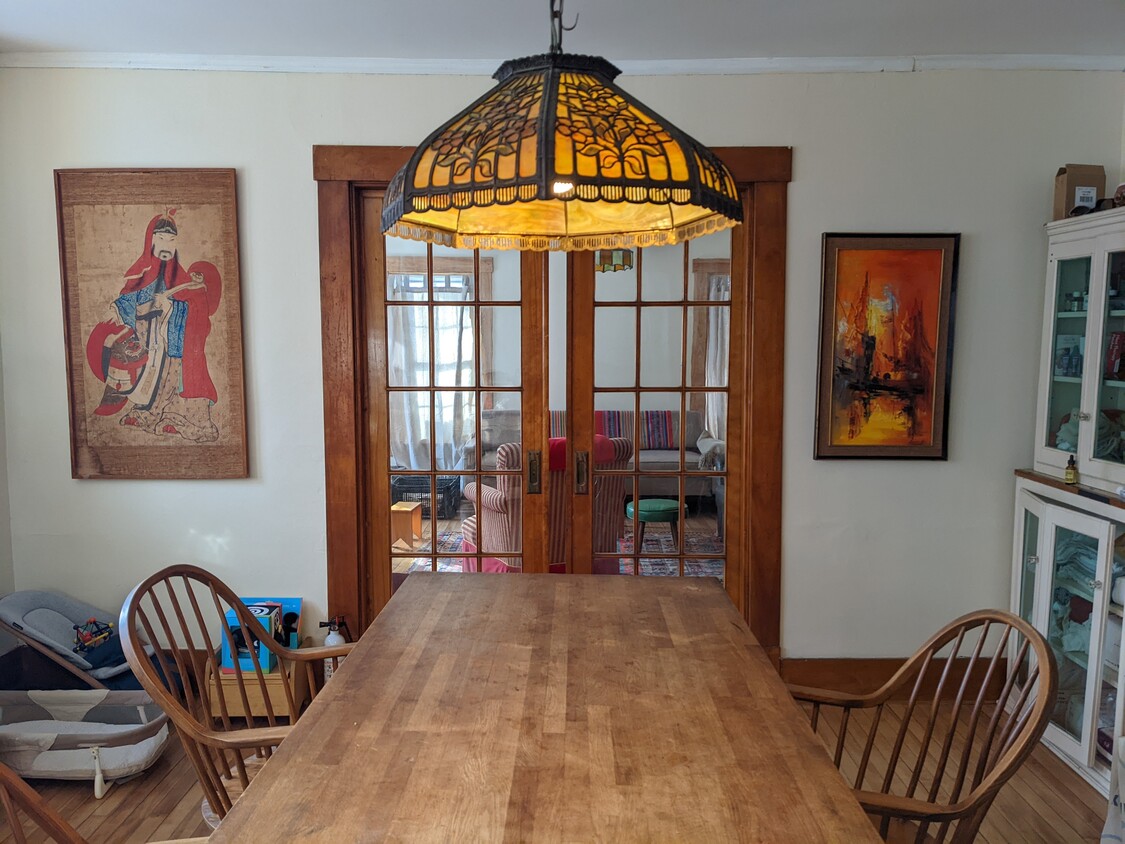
[(500, 508)]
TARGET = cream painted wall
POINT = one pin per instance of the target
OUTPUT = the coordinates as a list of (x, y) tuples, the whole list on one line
[(7, 572), (876, 554)]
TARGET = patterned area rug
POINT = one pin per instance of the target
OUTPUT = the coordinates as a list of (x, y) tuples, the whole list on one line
[(449, 542)]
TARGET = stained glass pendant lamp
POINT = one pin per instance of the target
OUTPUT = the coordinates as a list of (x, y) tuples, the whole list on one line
[(557, 157)]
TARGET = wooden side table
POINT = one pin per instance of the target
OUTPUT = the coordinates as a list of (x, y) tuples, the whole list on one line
[(294, 674), (406, 522)]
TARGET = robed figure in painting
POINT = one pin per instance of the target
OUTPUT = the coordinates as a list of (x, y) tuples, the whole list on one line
[(151, 349)]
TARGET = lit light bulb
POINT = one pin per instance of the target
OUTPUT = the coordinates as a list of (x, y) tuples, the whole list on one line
[(562, 187)]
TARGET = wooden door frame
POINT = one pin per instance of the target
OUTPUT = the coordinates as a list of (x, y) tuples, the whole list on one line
[(343, 172)]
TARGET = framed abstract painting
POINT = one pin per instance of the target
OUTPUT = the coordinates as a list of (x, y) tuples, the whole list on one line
[(153, 323), (886, 343)]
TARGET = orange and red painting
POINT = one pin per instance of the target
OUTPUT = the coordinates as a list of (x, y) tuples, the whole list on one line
[(885, 342)]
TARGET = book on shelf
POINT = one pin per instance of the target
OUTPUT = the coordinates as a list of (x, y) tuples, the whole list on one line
[(1069, 351), (1114, 353)]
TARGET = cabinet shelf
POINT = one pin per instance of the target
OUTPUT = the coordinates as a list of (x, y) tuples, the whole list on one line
[(1109, 673), (1113, 382), (1067, 379), (1075, 588), (1116, 312)]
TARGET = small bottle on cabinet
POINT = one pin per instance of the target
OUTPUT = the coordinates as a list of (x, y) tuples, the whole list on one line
[(1070, 475)]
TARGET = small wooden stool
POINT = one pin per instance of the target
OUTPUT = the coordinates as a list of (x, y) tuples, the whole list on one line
[(654, 510), (406, 522)]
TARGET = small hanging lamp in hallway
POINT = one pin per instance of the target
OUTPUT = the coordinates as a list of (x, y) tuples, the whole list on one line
[(558, 157)]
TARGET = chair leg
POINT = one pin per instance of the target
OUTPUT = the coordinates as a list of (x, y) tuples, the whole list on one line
[(676, 532), (640, 536)]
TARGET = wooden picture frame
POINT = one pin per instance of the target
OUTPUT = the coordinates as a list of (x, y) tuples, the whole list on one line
[(153, 323), (886, 344)]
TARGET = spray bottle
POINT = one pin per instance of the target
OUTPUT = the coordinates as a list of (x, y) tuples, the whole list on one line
[(334, 638)]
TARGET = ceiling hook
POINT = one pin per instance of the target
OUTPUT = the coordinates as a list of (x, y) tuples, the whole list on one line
[(557, 26)]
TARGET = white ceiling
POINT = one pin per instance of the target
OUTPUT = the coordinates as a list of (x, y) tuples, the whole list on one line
[(457, 32)]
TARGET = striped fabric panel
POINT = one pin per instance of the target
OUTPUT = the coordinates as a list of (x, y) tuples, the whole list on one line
[(609, 498), (558, 423), (660, 429), (495, 532), (511, 539), (556, 516), (615, 423)]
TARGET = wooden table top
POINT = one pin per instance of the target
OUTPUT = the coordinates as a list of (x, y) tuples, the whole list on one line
[(483, 707)]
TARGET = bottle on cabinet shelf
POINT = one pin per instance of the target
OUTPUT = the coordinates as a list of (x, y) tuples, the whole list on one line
[(1070, 475)]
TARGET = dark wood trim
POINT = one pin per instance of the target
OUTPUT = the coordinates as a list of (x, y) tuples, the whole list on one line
[(369, 164), (374, 401), (758, 164), (343, 454), (740, 418), (535, 426), (765, 368), (754, 510), (862, 676), (580, 404), (374, 165)]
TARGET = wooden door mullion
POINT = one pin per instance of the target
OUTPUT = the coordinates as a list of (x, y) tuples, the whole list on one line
[(533, 404)]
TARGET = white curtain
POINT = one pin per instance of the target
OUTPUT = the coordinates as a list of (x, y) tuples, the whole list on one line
[(718, 355), (408, 362)]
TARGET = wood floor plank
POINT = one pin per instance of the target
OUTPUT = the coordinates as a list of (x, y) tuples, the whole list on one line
[(1044, 803)]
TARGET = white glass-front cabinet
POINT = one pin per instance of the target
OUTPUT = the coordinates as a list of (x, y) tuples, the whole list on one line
[(1064, 571), (1082, 366)]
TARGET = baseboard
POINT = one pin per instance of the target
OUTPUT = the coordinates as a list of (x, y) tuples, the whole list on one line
[(860, 676)]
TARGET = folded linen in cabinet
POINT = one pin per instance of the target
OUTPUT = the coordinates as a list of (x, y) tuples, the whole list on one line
[(1118, 593)]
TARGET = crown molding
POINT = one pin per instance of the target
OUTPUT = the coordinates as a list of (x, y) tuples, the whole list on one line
[(486, 67)]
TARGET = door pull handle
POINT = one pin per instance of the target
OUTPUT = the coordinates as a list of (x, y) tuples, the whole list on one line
[(534, 473), (582, 473)]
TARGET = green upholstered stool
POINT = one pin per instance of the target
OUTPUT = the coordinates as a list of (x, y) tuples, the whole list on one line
[(654, 510)]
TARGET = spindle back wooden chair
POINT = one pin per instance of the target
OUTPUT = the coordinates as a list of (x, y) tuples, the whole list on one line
[(969, 722), (19, 797), (181, 612)]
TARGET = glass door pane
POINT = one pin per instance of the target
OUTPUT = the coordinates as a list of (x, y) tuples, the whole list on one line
[(1079, 546), (660, 389), (1068, 344), (1071, 623), (1028, 567), (1108, 723), (454, 409), (1109, 443)]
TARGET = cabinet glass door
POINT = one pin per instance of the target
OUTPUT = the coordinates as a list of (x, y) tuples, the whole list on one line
[(1109, 441), (1068, 349), (1078, 547), (1030, 524)]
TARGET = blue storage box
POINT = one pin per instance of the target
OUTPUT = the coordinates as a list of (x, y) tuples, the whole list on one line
[(271, 612)]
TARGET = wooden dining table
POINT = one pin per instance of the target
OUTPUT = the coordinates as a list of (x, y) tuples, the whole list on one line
[(568, 708)]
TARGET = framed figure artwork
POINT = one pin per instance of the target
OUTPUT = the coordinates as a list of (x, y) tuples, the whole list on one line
[(886, 343), (153, 323)]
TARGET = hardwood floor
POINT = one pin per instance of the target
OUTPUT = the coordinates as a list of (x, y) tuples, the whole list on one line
[(1044, 802), (162, 803)]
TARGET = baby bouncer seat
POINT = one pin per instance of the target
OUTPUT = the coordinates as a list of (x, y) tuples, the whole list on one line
[(106, 732)]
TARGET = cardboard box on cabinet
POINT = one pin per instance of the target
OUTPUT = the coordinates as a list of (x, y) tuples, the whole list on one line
[(1077, 184)]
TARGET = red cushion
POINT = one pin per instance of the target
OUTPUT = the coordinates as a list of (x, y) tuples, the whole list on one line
[(556, 455)]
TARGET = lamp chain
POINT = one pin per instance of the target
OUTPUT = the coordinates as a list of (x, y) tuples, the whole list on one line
[(557, 26)]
